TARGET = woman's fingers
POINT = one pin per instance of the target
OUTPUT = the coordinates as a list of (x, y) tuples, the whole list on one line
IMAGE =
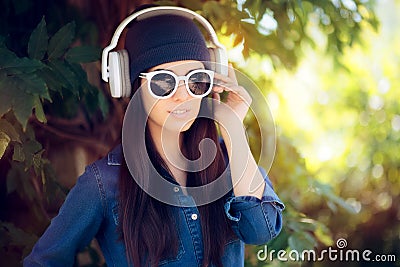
[(236, 90), (230, 84), (236, 93), (222, 79), (230, 79), (216, 96), (218, 89)]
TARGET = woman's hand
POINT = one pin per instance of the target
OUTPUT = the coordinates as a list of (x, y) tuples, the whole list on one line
[(237, 102), (247, 180)]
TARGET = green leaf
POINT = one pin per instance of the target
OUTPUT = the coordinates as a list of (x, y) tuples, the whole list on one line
[(27, 65), (279, 242), (301, 241), (6, 57), (5, 105), (30, 149), (31, 84), (60, 42), (332, 199), (38, 41), (13, 97), (83, 54), (300, 5), (39, 113), (301, 226), (80, 76), (20, 93), (4, 141), (9, 129), (22, 106), (37, 162), (52, 79), (323, 234), (15, 65), (67, 77), (18, 154)]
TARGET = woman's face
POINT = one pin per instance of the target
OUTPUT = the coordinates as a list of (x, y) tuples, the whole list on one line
[(178, 112)]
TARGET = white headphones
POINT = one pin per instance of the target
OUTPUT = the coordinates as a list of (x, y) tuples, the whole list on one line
[(115, 65)]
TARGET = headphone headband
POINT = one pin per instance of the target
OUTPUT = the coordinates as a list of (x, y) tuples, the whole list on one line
[(152, 12)]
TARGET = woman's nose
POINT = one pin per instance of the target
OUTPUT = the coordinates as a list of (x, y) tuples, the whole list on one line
[(181, 93)]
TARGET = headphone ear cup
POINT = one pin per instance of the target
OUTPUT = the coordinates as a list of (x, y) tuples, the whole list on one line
[(219, 60), (114, 78), (125, 74), (120, 85)]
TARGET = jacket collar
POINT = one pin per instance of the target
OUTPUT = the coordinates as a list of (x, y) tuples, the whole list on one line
[(114, 157)]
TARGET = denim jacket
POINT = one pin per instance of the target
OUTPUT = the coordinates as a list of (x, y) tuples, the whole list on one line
[(91, 210)]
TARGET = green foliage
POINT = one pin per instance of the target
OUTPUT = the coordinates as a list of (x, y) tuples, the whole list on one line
[(25, 83), (279, 29), (61, 41), (28, 167), (38, 41), (350, 114), (42, 78), (12, 240)]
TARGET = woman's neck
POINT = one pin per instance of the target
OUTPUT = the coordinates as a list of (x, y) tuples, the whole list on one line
[(168, 144)]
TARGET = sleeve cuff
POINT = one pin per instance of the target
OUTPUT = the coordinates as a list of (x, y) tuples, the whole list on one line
[(234, 205)]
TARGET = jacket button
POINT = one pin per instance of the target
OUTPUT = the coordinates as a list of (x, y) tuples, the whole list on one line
[(176, 189), (194, 216)]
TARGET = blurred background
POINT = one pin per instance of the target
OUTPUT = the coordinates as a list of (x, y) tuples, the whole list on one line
[(330, 71)]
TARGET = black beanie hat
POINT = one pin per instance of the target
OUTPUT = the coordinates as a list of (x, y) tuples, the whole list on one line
[(161, 39)]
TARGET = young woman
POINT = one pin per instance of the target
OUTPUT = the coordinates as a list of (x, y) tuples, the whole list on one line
[(113, 200)]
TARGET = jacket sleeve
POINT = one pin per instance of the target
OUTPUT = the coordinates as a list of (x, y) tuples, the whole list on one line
[(73, 228), (253, 220)]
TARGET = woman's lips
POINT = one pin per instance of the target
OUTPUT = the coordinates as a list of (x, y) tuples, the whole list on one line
[(180, 113)]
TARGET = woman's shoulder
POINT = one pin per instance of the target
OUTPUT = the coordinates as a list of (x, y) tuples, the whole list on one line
[(111, 162), (105, 172)]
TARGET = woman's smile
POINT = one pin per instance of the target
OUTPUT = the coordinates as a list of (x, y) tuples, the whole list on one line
[(180, 113)]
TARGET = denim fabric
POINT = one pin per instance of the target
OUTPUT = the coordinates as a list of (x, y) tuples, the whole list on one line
[(91, 210)]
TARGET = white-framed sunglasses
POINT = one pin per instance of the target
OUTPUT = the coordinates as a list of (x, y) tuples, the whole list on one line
[(163, 84)]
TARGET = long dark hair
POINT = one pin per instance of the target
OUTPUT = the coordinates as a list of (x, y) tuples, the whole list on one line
[(148, 226)]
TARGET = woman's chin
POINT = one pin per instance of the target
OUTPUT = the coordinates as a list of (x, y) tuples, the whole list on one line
[(178, 126)]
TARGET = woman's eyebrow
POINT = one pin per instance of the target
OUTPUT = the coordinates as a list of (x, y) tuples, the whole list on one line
[(177, 74), (193, 70)]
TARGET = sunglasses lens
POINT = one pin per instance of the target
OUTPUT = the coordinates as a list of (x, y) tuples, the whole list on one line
[(162, 84), (199, 83)]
